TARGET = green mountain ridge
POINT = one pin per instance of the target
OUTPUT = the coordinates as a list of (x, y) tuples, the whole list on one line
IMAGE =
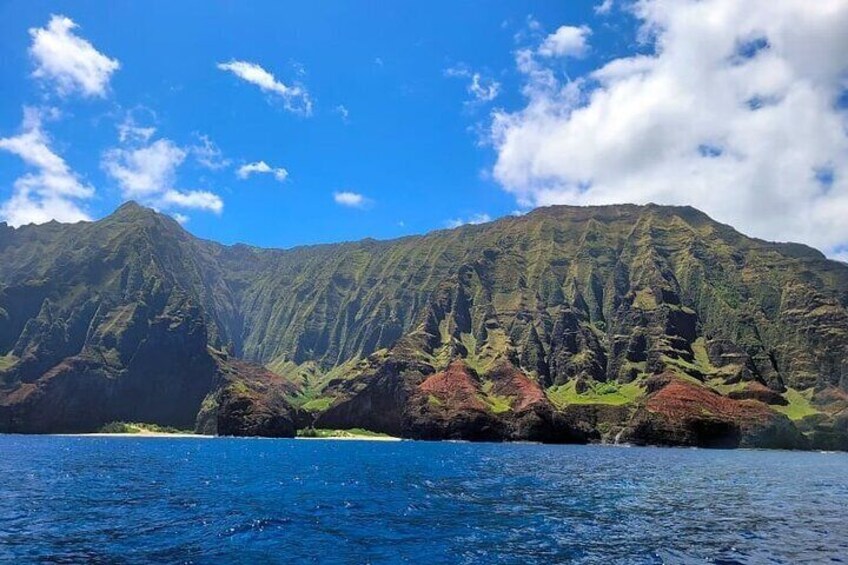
[(566, 324)]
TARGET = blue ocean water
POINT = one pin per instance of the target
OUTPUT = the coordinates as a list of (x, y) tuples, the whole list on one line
[(141, 500)]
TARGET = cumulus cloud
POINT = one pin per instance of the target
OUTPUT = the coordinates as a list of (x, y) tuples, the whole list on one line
[(350, 199), (740, 110), (295, 98), (261, 167), (51, 191), (147, 172), (567, 41), (144, 171), (68, 61), (197, 199), (481, 88), (472, 220)]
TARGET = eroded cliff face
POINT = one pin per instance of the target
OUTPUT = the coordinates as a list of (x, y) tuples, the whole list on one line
[(647, 324)]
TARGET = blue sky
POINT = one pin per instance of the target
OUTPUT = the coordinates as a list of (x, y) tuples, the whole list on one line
[(381, 119)]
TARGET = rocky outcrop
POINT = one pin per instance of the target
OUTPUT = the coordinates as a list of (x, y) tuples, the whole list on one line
[(757, 391), (375, 399), (683, 413), (248, 400)]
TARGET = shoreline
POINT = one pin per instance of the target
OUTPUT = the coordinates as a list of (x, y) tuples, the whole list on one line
[(137, 434), (204, 436), (353, 438), (401, 439)]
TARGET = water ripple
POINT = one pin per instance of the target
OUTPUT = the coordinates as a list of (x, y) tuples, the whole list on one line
[(127, 500)]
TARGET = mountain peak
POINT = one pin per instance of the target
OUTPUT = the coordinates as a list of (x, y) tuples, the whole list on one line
[(131, 207)]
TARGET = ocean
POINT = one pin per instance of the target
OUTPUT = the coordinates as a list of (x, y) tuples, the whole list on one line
[(227, 500)]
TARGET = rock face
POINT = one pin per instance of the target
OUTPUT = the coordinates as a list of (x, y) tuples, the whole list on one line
[(683, 413), (247, 400), (647, 324)]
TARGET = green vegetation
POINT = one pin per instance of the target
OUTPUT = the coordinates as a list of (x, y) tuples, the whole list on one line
[(351, 433), (210, 403), (498, 404), (681, 367), (433, 401), (139, 428), (702, 360), (311, 381), (7, 361), (494, 348), (318, 404), (640, 368), (240, 388), (799, 406), (612, 393), (720, 386), (645, 299)]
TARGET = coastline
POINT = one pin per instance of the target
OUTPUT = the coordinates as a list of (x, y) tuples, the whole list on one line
[(401, 439), (137, 434), (351, 437), (354, 438)]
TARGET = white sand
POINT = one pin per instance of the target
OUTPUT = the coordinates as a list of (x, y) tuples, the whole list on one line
[(356, 438)]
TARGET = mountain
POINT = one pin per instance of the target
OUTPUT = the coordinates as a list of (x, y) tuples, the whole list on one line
[(647, 324)]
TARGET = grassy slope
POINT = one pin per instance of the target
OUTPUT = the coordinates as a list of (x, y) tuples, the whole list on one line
[(598, 393), (799, 406)]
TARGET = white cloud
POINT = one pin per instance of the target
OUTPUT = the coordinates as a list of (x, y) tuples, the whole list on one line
[(145, 171), (473, 220), (182, 219), (130, 132), (196, 199), (481, 88), (68, 61), (295, 98), (148, 173), (737, 112), (604, 7), (567, 41), (208, 154), (343, 112), (350, 199), (52, 190), (261, 167)]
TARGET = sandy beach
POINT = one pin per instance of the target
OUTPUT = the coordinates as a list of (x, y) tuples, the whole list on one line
[(351, 437), (354, 438)]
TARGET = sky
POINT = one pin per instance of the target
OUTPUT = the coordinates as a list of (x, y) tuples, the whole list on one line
[(279, 124)]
